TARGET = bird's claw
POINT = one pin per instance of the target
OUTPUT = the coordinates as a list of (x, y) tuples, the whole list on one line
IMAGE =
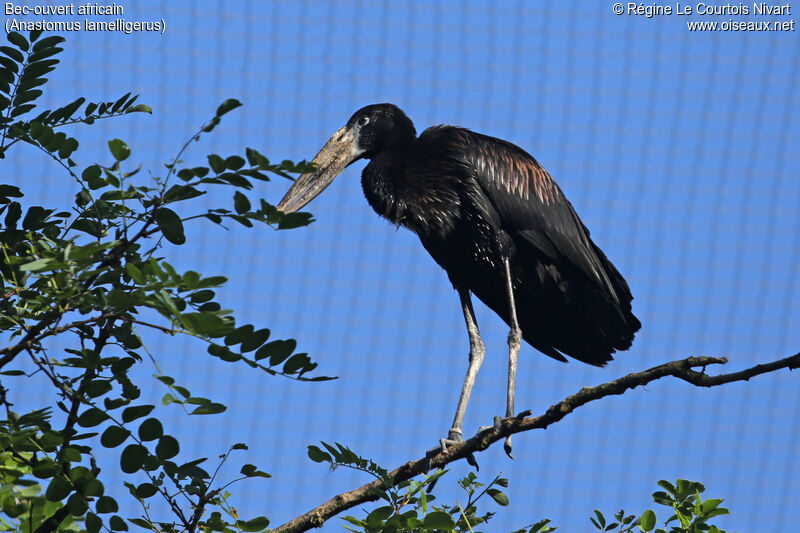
[(507, 447), (498, 422), (453, 437)]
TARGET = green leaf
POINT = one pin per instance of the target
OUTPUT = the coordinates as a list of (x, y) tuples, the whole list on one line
[(254, 340), (253, 471), (58, 489), (209, 409), (13, 214), (132, 458), (216, 163), (241, 203), (179, 193), (377, 517), (167, 447), (118, 524), (211, 125), (201, 296), (168, 399), (299, 362), (223, 353), (10, 64), (137, 411), (92, 417), (663, 498), (118, 104), (277, 351), (151, 429), (13, 53), (93, 523), (234, 162), (294, 220), (140, 108), (45, 469), (648, 520), (318, 456), (77, 505), (135, 274), (36, 218), (212, 281), (600, 518), (119, 149), (10, 191), (113, 436), (499, 496), (254, 524), (47, 42), (18, 40), (239, 334), (668, 486), (69, 146), (93, 487), (439, 520), (71, 454), (98, 387), (146, 490), (106, 504), (541, 527), (92, 176), (38, 265), (228, 105), (88, 226), (170, 225)]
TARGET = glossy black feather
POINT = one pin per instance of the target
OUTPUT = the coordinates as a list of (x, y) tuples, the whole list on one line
[(474, 200)]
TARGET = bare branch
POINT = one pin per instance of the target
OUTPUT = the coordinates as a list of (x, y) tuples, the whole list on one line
[(682, 369)]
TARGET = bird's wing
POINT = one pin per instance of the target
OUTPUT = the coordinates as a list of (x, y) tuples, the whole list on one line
[(530, 204)]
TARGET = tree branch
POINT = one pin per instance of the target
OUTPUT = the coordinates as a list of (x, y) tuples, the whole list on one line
[(35, 333), (54, 520), (682, 369)]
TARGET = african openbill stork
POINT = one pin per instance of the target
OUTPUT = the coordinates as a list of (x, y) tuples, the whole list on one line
[(498, 224)]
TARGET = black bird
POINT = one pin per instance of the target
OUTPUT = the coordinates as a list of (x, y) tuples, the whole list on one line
[(498, 224)]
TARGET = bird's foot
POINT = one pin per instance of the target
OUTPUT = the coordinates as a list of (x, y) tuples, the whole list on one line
[(498, 421), (454, 437), (507, 447)]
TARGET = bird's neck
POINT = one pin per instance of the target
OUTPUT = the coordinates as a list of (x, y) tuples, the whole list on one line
[(382, 181)]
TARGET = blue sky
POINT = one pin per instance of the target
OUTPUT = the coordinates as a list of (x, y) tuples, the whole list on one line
[(678, 149)]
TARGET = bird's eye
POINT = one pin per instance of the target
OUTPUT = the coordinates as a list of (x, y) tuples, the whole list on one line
[(363, 121)]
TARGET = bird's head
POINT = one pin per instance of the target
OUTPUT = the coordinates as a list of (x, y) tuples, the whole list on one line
[(371, 130)]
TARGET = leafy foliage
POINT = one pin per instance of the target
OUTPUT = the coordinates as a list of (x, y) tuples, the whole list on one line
[(92, 273), (690, 511), (409, 504)]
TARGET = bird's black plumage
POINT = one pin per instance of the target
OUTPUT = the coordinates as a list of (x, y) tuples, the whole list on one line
[(498, 224), (475, 200)]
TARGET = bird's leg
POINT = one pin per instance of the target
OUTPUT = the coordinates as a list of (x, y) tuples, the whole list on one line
[(514, 338), (476, 354)]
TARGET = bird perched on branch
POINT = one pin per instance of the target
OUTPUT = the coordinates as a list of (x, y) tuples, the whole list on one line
[(498, 224)]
